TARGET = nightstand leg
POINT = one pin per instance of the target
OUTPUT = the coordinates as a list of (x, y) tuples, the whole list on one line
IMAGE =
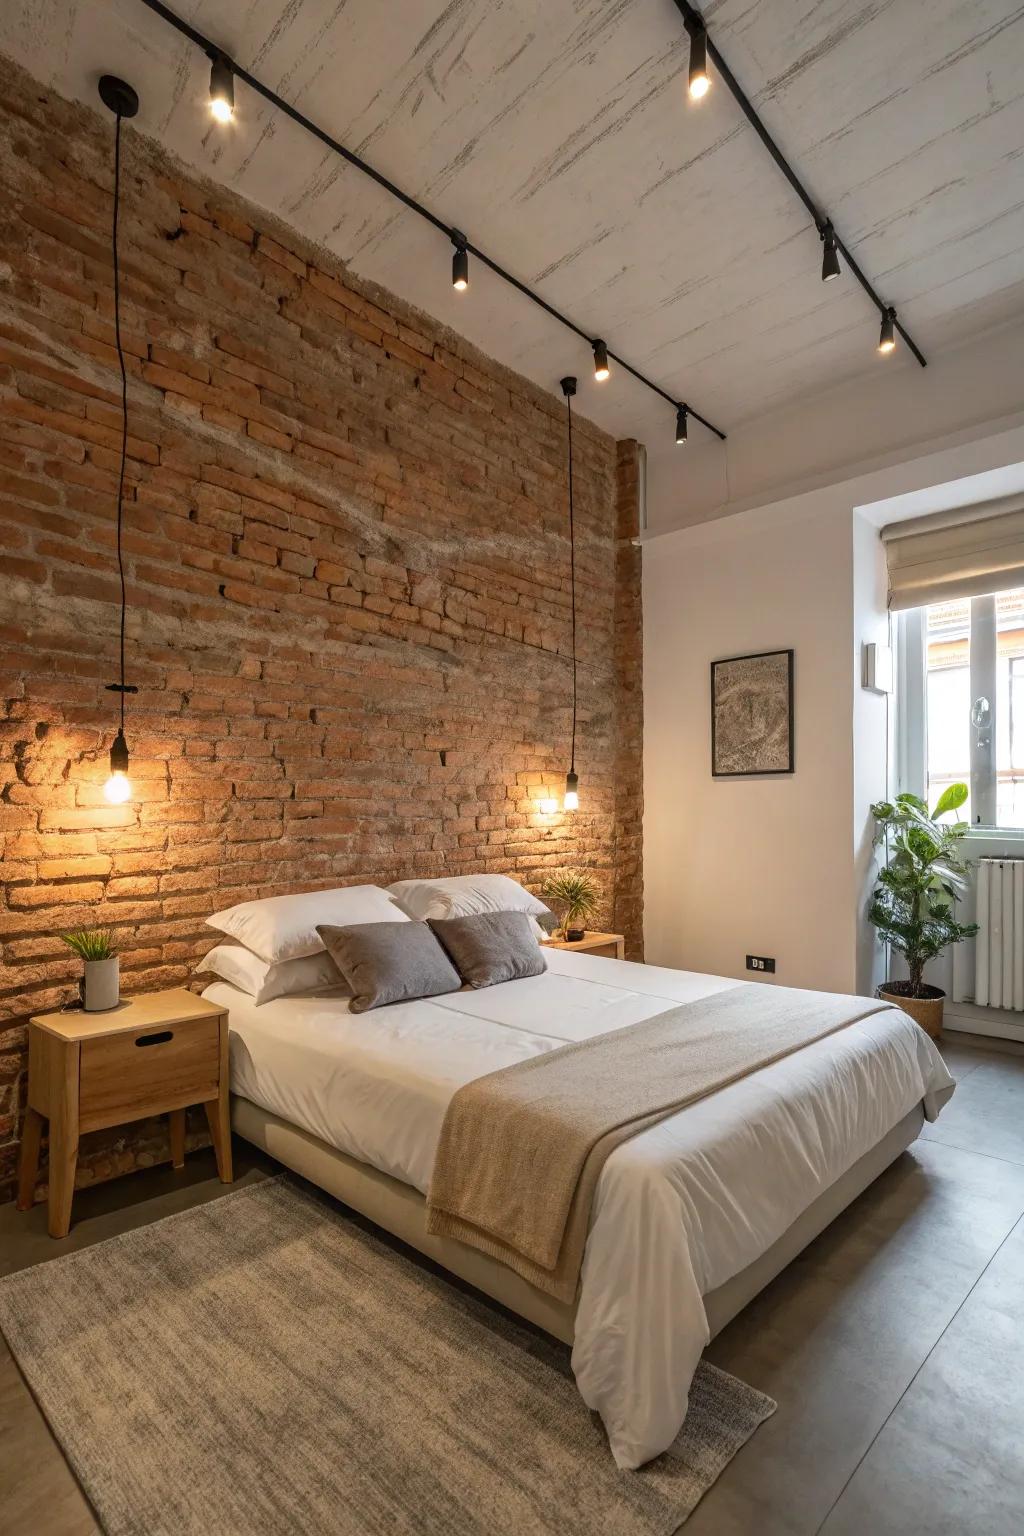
[(63, 1138), (218, 1110), (28, 1163), (177, 1124), (219, 1120)]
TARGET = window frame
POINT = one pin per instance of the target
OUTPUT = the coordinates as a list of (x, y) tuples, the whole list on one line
[(911, 729)]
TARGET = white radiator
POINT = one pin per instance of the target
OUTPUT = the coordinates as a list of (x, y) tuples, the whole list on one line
[(999, 947)]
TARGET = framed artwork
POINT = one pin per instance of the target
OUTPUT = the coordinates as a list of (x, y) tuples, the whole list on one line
[(752, 715)]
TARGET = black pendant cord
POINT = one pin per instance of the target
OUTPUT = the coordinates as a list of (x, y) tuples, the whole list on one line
[(124, 399), (694, 22), (572, 587), (119, 97), (458, 239)]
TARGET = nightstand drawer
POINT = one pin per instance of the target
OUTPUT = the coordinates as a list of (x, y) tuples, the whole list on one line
[(148, 1071)]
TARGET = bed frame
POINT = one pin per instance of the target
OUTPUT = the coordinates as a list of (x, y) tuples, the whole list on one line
[(401, 1210)]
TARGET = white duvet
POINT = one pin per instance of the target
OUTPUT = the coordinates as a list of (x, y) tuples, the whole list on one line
[(679, 1209)]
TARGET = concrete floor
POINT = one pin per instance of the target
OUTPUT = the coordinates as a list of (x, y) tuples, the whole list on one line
[(894, 1345)]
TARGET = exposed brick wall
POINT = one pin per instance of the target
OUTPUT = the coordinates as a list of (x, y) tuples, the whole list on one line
[(347, 565), (628, 909)]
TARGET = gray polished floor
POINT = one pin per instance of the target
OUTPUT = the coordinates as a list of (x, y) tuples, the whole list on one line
[(894, 1345)]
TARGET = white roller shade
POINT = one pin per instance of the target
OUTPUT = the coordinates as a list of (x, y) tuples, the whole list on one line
[(963, 553)]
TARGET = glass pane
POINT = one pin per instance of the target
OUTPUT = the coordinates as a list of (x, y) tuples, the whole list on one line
[(1010, 709), (948, 662)]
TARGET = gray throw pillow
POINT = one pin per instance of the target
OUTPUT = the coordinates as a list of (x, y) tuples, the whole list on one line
[(491, 947), (389, 962)]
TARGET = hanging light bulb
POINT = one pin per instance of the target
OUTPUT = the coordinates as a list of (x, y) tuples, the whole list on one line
[(460, 269), (222, 89), (887, 335), (681, 415), (830, 256), (601, 368), (118, 789), (700, 80), (123, 101), (571, 798)]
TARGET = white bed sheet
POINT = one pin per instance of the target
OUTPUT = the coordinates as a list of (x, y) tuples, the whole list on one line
[(679, 1209)]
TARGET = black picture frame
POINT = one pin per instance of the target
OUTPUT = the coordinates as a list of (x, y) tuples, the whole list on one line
[(753, 772)]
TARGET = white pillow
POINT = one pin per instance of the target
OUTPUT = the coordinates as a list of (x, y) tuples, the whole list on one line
[(466, 896), (284, 927), (263, 982)]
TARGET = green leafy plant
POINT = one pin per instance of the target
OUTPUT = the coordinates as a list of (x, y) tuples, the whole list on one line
[(575, 896), (912, 903), (91, 943)]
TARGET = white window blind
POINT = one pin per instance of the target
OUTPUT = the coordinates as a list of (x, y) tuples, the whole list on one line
[(967, 552)]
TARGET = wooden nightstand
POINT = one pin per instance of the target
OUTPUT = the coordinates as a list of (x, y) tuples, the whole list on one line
[(153, 1055), (613, 945)]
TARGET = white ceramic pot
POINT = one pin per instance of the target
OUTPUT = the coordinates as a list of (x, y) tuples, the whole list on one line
[(101, 985)]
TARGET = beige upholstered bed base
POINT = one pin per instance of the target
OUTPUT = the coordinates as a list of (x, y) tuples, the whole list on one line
[(401, 1210)]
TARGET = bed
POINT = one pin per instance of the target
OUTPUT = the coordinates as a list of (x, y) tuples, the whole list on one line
[(691, 1217)]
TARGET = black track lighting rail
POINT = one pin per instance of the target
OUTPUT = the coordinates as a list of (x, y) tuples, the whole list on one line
[(693, 21), (213, 52)]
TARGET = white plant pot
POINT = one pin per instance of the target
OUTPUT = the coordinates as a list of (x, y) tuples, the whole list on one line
[(101, 985)]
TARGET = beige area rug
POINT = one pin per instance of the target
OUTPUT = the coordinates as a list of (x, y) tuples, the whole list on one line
[(262, 1365)]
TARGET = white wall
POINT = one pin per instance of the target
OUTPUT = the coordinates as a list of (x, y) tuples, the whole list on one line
[(873, 737), (776, 866), (733, 866)]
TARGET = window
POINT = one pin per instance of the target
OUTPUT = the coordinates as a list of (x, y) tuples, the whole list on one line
[(962, 703)]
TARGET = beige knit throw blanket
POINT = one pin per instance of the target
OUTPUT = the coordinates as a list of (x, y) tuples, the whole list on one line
[(521, 1150)]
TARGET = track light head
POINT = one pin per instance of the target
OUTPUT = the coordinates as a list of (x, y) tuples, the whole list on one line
[(887, 335), (568, 386), (118, 95), (222, 89), (700, 80), (830, 267), (681, 415), (460, 263), (601, 368)]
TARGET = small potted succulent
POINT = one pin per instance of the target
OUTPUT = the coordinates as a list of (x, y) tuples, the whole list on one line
[(100, 987), (913, 903), (576, 897)]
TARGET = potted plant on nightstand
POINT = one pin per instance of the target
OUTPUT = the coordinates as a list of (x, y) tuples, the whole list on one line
[(100, 986), (912, 903), (576, 897)]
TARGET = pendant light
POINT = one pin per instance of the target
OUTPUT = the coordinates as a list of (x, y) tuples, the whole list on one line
[(122, 100), (571, 800)]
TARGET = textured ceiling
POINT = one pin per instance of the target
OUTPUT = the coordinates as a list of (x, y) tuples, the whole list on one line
[(558, 135)]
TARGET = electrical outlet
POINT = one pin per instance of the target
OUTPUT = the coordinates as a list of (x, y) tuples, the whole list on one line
[(761, 963)]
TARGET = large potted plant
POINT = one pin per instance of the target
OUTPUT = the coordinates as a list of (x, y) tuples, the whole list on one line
[(577, 898), (912, 905)]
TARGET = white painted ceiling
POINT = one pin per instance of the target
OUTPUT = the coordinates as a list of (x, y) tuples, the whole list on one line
[(559, 136)]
